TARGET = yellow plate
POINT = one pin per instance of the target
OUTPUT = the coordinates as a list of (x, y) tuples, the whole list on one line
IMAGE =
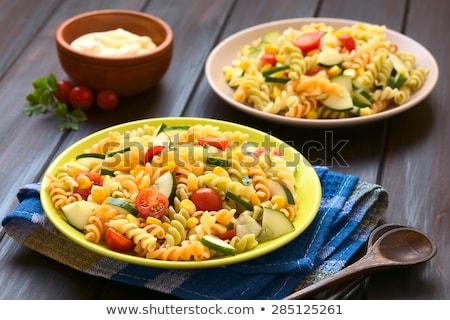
[(308, 189)]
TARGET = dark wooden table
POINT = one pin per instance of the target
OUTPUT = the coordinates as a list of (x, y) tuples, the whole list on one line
[(408, 154)]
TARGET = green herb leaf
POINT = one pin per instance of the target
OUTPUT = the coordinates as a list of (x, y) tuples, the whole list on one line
[(42, 99)]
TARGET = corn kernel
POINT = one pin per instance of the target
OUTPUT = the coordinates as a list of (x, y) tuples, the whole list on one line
[(244, 64), (228, 73), (280, 58), (278, 201), (276, 92), (334, 71), (350, 73), (365, 111), (188, 205), (132, 219), (360, 71), (270, 48), (312, 115), (313, 52), (98, 194), (191, 222), (153, 220), (84, 182)]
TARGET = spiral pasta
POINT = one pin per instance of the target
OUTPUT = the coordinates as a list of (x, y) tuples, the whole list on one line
[(190, 160), (276, 74)]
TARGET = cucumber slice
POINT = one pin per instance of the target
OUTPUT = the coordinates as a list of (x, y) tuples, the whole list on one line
[(344, 81), (245, 224), (397, 81), (362, 98), (122, 206), (329, 57), (112, 153), (160, 128), (339, 102), (274, 224), (218, 162), (398, 64), (218, 244), (90, 160), (277, 188), (271, 36), (167, 185), (78, 213), (162, 139), (239, 200)]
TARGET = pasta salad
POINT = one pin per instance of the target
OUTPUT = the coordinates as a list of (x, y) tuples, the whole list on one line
[(320, 72), (184, 193)]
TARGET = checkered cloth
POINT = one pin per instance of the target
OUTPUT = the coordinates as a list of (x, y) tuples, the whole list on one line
[(349, 211)]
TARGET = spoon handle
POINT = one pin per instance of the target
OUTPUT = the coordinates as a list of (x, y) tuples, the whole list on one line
[(353, 271)]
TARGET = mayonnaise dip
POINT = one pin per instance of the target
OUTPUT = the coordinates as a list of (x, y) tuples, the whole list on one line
[(113, 43)]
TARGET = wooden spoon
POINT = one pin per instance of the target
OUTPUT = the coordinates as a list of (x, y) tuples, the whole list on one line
[(400, 247)]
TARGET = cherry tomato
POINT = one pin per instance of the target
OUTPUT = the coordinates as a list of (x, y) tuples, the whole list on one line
[(220, 143), (228, 235), (207, 199), (269, 58), (107, 100), (96, 179), (347, 42), (81, 97), (260, 151), (151, 152), (308, 41), (315, 70), (151, 203), (117, 241), (63, 90)]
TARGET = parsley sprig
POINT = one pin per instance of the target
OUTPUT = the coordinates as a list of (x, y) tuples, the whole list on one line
[(42, 100)]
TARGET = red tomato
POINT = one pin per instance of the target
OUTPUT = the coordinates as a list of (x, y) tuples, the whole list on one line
[(220, 143), (107, 100), (95, 178), (63, 91), (151, 203), (117, 241), (315, 70), (269, 58), (308, 41), (81, 97), (260, 151), (207, 199), (228, 235), (347, 42), (151, 152)]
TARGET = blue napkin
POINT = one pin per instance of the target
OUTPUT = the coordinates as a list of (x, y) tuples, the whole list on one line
[(349, 211)]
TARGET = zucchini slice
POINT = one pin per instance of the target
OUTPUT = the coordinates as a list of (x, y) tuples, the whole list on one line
[(274, 224), (339, 102), (277, 188), (218, 244), (124, 207), (167, 185), (329, 57), (245, 204), (77, 213)]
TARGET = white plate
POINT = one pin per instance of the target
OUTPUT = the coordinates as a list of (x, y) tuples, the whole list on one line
[(225, 52)]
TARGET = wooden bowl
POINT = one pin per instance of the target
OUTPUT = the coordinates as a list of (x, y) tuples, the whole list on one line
[(128, 76)]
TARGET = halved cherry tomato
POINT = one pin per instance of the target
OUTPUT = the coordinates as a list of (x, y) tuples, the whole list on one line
[(315, 70), (96, 179), (207, 199), (228, 235), (347, 42), (308, 41), (151, 152), (220, 143), (269, 58), (117, 241), (260, 151), (151, 203)]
